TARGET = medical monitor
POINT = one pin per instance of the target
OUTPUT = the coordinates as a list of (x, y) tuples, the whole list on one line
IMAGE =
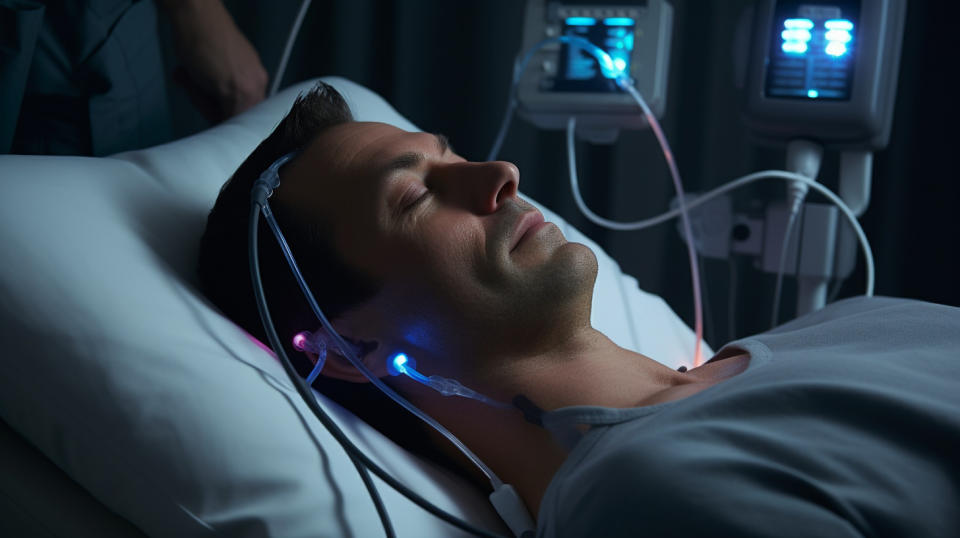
[(811, 50), (563, 79), (825, 71), (577, 70)]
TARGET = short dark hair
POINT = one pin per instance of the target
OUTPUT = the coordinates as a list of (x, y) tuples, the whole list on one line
[(225, 277), (223, 263)]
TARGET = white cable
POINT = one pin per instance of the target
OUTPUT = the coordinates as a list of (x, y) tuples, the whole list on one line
[(508, 113), (695, 273), (803, 157), (626, 84), (678, 185), (285, 57), (735, 184)]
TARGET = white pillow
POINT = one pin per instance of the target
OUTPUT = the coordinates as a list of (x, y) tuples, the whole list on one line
[(120, 372)]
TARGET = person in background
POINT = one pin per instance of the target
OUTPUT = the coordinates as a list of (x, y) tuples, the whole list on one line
[(86, 77)]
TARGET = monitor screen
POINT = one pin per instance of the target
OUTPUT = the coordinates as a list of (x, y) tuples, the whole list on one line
[(578, 70), (812, 50)]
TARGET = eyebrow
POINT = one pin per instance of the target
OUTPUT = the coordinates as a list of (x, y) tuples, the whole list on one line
[(412, 159)]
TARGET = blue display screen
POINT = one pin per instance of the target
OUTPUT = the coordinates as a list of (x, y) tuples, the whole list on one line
[(812, 50), (578, 70)]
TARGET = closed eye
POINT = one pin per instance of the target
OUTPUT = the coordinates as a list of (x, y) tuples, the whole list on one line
[(414, 194), (418, 200)]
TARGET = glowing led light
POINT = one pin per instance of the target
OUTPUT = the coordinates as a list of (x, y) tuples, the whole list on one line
[(835, 48), (799, 24), (796, 47), (796, 35), (813, 94), (300, 341), (608, 66), (841, 36), (620, 64), (838, 24), (581, 21), (618, 21), (398, 361)]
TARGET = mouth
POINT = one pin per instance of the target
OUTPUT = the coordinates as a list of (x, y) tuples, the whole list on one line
[(527, 225)]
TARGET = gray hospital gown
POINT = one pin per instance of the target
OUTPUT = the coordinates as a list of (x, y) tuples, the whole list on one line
[(845, 423)]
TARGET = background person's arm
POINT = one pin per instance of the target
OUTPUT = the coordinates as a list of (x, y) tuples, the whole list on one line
[(220, 69)]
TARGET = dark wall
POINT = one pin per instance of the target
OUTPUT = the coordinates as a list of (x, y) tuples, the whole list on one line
[(446, 66)]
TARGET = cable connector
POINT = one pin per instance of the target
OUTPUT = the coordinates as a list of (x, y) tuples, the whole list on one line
[(804, 158), (269, 180), (402, 364)]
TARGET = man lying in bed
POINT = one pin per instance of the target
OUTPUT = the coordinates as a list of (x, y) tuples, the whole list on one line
[(844, 422)]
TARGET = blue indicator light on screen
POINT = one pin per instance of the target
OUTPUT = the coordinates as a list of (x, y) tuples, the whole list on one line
[(813, 94), (796, 35), (838, 34), (581, 21), (836, 49), (798, 24), (618, 21), (795, 47), (839, 24), (841, 36)]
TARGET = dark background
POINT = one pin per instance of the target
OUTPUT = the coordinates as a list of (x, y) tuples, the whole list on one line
[(446, 66)]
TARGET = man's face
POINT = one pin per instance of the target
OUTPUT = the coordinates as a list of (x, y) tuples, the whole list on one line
[(466, 266)]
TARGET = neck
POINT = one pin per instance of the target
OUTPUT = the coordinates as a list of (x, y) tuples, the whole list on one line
[(584, 369)]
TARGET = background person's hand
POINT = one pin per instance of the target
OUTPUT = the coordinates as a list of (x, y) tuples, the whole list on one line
[(220, 69)]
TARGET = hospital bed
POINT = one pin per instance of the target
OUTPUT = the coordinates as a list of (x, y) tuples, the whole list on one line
[(130, 406)]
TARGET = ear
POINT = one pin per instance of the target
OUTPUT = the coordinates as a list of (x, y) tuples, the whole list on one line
[(339, 367), (362, 328)]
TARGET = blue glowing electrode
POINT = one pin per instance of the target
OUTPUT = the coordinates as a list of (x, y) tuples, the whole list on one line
[(401, 364), (398, 363)]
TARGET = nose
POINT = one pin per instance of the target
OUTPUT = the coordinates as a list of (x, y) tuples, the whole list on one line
[(479, 187)]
